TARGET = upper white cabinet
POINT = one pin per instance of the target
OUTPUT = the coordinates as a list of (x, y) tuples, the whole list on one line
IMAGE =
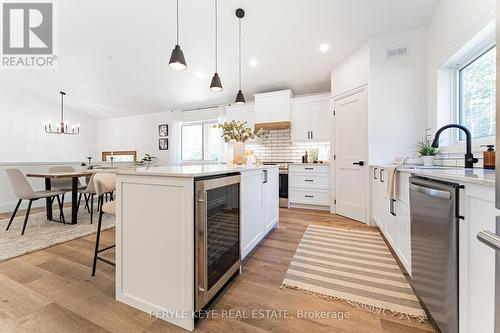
[(245, 113), (311, 120), (273, 106)]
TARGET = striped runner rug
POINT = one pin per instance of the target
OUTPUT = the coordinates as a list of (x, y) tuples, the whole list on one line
[(353, 266)]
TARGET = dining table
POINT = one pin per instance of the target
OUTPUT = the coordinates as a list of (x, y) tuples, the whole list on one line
[(48, 176)]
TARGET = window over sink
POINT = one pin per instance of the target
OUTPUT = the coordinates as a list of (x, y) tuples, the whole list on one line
[(477, 94)]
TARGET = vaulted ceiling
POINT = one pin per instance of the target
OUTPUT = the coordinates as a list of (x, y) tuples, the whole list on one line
[(113, 55)]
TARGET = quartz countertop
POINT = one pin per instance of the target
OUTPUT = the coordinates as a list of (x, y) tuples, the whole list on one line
[(460, 175), (450, 174), (191, 171)]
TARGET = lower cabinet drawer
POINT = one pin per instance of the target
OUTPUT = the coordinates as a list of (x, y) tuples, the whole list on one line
[(317, 181), (311, 197)]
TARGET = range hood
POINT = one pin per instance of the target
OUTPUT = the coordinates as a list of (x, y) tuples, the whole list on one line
[(273, 125)]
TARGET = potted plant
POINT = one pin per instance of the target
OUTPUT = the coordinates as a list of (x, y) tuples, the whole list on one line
[(236, 133), (147, 161), (427, 152)]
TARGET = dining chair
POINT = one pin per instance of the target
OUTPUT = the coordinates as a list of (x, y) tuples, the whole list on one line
[(23, 191), (89, 192), (105, 183), (64, 184)]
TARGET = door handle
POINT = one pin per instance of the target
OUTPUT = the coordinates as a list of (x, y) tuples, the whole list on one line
[(308, 135), (264, 174), (312, 135), (360, 163)]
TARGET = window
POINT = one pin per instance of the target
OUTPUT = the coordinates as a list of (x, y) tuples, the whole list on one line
[(477, 94), (200, 141), (119, 156)]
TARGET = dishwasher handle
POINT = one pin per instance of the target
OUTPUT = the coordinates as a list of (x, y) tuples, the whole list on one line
[(489, 238), (431, 192)]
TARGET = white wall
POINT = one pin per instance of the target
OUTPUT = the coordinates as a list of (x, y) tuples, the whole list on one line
[(353, 72), (453, 24), (22, 135), (25, 145), (139, 133), (397, 90)]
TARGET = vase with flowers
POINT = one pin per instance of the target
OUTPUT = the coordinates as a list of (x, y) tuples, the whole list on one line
[(236, 133)]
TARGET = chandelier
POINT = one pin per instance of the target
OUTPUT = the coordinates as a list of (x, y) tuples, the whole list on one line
[(62, 127)]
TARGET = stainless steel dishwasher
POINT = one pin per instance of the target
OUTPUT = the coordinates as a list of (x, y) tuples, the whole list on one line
[(434, 209)]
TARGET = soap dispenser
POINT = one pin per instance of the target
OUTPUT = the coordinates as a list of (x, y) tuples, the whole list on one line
[(489, 157)]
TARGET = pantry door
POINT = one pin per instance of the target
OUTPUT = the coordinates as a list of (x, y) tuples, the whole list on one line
[(351, 150)]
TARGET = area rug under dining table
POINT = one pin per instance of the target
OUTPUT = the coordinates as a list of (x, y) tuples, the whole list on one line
[(41, 233), (354, 266)]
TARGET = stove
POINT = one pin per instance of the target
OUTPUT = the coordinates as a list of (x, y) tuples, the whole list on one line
[(282, 166), (283, 171)]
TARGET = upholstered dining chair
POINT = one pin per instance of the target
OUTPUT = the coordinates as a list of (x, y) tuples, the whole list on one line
[(89, 192), (23, 191), (64, 184), (105, 183)]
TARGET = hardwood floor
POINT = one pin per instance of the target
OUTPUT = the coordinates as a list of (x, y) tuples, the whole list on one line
[(52, 291)]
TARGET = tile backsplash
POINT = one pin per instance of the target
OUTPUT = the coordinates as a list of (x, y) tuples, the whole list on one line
[(457, 159), (277, 146)]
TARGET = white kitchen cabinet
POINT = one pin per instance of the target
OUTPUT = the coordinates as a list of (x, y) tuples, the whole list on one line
[(309, 186), (396, 228), (476, 261), (273, 106), (244, 113), (311, 119), (271, 199), (260, 206), (403, 235)]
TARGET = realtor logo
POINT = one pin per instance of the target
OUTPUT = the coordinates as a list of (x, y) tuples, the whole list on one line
[(28, 34)]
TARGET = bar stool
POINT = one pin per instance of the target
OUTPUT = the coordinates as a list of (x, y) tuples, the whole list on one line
[(23, 191), (104, 183)]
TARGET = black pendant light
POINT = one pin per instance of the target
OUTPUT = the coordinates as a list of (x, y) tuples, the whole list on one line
[(240, 98), (177, 61), (216, 84)]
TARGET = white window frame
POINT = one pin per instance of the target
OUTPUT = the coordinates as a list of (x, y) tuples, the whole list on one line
[(204, 137), (455, 145)]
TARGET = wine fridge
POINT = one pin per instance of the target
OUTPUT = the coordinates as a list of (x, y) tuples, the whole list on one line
[(217, 235)]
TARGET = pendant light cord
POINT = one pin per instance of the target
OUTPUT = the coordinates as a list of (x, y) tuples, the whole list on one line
[(216, 36), (177, 22), (239, 21), (62, 107)]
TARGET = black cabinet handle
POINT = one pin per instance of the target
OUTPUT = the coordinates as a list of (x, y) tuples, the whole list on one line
[(264, 174), (393, 213), (360, 163), (312, 135), (375, 173), (308, 168), (309, 196), (309, 180)]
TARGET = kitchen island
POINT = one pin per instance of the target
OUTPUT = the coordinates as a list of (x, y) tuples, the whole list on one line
[(156, 233)]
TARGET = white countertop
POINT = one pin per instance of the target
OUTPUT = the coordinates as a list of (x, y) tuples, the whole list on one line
[(450, 174), (461, 175), (190, 171)]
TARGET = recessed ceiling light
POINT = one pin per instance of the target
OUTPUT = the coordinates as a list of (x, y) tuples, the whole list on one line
[(324, 47), (253, 62)]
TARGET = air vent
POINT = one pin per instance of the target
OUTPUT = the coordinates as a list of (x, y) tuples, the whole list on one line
[(396, 52)]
